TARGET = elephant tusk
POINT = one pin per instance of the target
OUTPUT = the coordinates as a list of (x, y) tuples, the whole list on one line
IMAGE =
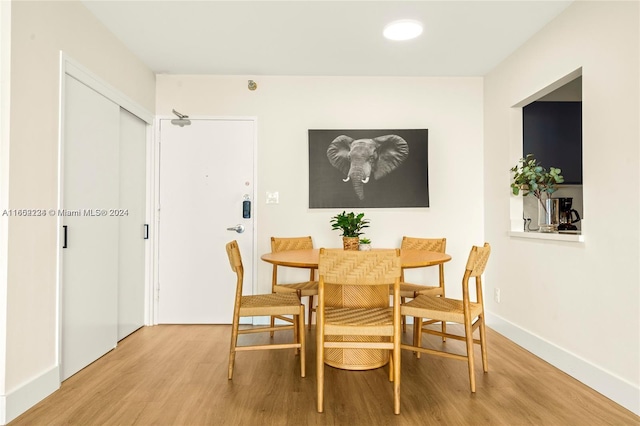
[(365, 180), (346, 180)]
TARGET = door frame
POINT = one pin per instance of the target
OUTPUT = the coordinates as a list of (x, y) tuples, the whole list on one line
[(156, 201), (71, 67)]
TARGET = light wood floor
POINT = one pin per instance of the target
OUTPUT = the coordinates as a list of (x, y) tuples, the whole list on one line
[(177, 375)]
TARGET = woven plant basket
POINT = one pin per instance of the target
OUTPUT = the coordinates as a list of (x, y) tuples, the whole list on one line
[(350, 243)]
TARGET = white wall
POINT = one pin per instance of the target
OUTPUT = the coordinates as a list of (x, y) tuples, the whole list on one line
[(574, 304), (39, 30), (579, 301), (287, 107), (5, 76)]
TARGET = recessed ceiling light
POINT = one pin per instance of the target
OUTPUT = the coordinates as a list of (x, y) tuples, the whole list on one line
[(404, 29)]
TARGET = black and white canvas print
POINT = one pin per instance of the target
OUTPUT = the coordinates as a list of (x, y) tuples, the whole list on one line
[(368, 168)]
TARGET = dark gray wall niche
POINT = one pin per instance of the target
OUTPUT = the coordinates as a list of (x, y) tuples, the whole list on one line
[(552, 131)]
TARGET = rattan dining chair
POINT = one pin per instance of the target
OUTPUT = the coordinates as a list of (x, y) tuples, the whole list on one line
[(411, 290), (364, 320), (263, 305), (305, 288), (464, 311)]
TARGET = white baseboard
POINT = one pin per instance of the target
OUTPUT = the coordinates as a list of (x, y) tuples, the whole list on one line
[(613, 387), (26, 396)]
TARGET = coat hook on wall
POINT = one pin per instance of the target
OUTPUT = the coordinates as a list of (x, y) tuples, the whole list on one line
[(252, 85)]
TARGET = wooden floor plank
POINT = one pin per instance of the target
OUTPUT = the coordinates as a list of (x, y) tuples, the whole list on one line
[(177, 375)]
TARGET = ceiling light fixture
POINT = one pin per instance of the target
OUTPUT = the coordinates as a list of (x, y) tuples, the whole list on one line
[(404, 29)]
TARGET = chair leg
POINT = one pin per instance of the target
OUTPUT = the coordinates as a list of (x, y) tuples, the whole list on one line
[(391, 370), (301, 337), (444, 330), (234, 343), (320, 368), (483, 344), (273, 323), (404, 318), (296, 330), (468, 332), (310, 310), (417, 334), (396, 376)]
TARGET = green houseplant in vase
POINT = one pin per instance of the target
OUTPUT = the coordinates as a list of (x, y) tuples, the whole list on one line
[(351, 225), (533, 179), (365, 244)]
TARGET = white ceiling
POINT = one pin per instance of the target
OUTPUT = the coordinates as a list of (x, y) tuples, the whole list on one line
[(461, 38)]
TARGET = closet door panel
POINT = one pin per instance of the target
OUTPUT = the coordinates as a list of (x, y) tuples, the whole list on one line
[(90, 259), (131, 219)]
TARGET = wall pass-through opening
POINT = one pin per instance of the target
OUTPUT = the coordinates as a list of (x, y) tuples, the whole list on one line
[(551, 130)]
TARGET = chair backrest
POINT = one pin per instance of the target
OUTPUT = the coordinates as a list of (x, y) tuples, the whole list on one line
[(287, 244), (430, 244), (352, 267), (233, 252), (235, 260), (365, 276), (478, 258), (294, 243), (476, 264)]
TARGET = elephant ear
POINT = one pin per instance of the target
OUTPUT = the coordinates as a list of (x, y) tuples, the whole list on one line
[(338, 153), (392, 151)]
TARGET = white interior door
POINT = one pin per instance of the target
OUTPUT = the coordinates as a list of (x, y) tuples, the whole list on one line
[(205, 171), (131, 217), (90, 259)]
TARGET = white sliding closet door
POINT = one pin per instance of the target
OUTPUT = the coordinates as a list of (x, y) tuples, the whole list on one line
[(90, 259), (131, 218)]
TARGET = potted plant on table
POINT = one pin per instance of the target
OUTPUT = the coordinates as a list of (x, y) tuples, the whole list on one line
[(351, 225), (365, 244), (530, 177)]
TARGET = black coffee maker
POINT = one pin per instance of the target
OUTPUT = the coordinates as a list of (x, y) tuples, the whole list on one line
[(568, 216)]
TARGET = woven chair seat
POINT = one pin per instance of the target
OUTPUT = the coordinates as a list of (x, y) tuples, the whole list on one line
[(270, 304), (345, 321), (410, 290), (439, 308), (307, 288)]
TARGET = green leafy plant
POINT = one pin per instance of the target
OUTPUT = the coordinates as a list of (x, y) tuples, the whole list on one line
[(365, 241), (350, 224), (531, 178)]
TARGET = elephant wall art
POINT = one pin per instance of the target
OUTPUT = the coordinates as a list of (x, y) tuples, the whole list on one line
[(368, 168)]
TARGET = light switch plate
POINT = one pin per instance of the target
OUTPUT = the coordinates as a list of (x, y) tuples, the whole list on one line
[(273, 197)]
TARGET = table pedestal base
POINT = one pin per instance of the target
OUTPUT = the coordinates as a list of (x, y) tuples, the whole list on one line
[(346, 296), (356, 359)]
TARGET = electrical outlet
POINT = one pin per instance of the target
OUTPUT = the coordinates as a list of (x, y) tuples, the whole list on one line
[(496, 295)]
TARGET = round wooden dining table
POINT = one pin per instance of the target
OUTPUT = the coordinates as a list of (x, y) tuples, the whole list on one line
[(354, 359), (309, 258)]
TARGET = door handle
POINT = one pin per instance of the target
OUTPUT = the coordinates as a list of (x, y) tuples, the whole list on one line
[(238, 228)]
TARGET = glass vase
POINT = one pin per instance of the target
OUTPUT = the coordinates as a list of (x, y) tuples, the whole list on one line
[(548, 215)]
